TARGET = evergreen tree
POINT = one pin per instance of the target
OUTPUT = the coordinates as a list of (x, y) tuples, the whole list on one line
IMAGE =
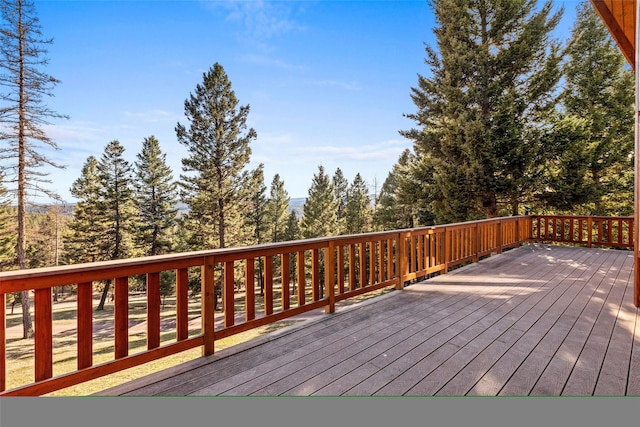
[(217, 141), (358, 212), (87, 223), (23, 116), (156, 199), (320, 212), (119, 213), (403, 202), (482, 113), (340, 188), (256, 216), (277, 206), (292, 232), (596, 129)]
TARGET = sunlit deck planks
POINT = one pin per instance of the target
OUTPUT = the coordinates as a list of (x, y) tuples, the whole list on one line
[(537, 320)]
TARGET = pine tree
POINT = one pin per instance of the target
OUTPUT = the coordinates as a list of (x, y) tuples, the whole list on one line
[(292, 232), (217, 141), (483, 111), (404, 200), (596, 164), (156, 198), (87, 223), (277, 207), (119, 213), (320, 212), (358, 212), (256, 216), (340, 188), (23, 116)]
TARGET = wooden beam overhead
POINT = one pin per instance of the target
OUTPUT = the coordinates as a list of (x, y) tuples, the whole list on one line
[(620, 17)]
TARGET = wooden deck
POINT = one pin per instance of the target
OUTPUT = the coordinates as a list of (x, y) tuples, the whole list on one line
[(537, 320)]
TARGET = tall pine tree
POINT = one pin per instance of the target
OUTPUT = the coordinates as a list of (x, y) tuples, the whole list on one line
[(594, 175), (482, 112), (156, 198), (358, 212), (119, 213), (277, 207), (87, 223), (23, 117), (214, 179), (320, 212)]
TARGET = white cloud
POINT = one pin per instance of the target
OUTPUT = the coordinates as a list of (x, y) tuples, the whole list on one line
[(380, 151)]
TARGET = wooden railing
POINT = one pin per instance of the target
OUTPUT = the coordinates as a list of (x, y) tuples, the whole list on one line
[(299, 276), (613, 232)]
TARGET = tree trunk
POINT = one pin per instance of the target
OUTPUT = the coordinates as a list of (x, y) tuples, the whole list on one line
[(103, 298)]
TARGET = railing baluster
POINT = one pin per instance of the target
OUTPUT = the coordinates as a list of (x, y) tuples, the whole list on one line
[(121, 314), (380, 261), (153, 310), (182, 304), (84, 295), (43, 334), (285, 273), (372, 263), (340, 272), (228, 294), (208, 304), (352, 267), (268, 285), (315, 275), (301, 279), (250, 288), (362, 257)]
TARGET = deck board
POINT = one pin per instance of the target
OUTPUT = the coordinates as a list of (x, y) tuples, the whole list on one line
[(536, 320)]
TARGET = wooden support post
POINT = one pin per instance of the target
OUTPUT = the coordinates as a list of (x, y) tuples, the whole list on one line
[(208, 304), (315, 275), (121, 314), (329, 278), (153, 310), (85, 324), (43, 334)]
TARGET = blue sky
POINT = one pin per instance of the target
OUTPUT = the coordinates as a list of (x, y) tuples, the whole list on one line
[(328, 82)]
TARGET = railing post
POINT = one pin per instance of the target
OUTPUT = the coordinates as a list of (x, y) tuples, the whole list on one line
[(153, 310), (499, 236), (447, 248), (517, 232), (401, 262), (329, 278), (208, 304), (589, 231), (475, 242)]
